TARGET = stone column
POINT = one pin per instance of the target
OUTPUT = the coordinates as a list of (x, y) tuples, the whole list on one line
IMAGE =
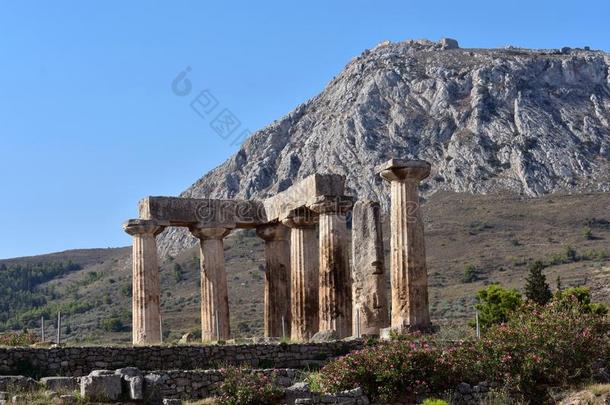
[(145, 284), (369, 285), (304, 263), (335, 279), (214, 293), (409, 277), (277, 279)]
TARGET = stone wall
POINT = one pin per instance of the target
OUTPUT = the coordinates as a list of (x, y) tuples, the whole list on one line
[(197, 384), (79, 361)]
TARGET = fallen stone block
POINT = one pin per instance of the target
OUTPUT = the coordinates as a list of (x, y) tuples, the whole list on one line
[(324, 336), (132, 381), (296, 391), (17, 382), (60, 383), (99, 385)]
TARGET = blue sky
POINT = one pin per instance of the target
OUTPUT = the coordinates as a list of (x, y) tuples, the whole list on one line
[(89, 123)]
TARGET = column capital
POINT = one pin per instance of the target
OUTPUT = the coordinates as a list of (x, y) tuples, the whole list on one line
[(272, 232), (404, 170), (301, 218), (143, 226), (332, 204), (209, 233)]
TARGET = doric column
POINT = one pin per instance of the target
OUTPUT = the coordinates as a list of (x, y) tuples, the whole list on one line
[(335, 301), (409, 276), (304, 275), (277, 279), (145, 284), (214, 293), (369, 286)]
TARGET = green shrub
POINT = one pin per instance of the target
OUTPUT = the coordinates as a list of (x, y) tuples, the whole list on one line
[(245, 387), (470, 274), (587, 233), (581, 296), (495, 304), (114, 324)]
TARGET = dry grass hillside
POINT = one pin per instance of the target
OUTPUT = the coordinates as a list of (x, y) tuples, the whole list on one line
[(496, 236)]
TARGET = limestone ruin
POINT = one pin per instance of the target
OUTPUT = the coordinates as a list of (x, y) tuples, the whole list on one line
[(310, 284)]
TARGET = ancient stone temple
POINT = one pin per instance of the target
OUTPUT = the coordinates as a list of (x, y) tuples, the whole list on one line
[(310, 284)]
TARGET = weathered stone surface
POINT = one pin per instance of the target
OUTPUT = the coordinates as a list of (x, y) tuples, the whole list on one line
[(369, 284), (132, 382), (409, 275), (203, 212), (335, 285), (349, 397), (60, 383), (280, 206), (327, 335), (304, 264), (214, 293), (101, 387), (448, 43), (277, 279), (296, 391), (146, 292), (18, 382)]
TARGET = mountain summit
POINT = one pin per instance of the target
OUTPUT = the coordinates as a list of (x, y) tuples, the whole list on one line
[(524, 121)]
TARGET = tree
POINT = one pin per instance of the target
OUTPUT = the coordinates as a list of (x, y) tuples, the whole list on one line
[(495, 304), (470, 274), (536, 287), (113, 324)]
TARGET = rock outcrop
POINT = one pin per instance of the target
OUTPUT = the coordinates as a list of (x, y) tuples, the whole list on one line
[(527, 121)]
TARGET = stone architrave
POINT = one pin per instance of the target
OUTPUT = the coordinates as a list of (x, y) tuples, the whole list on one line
[(409, 276), (214, 293), (277, 279), (369, 285), (304, 263), (335, 286), (145, 284)]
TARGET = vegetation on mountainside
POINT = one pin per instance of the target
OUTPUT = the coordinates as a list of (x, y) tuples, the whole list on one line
[(23, 298)]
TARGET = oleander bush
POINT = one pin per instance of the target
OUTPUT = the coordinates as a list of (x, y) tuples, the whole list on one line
[(242, 386), (539, 347)]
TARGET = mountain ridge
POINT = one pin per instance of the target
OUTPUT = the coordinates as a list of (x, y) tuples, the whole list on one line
[(489, 120)]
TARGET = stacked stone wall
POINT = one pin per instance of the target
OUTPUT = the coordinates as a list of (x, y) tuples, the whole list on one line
[(79, 361)]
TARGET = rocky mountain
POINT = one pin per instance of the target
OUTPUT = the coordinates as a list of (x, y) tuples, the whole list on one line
[(526, 121)]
